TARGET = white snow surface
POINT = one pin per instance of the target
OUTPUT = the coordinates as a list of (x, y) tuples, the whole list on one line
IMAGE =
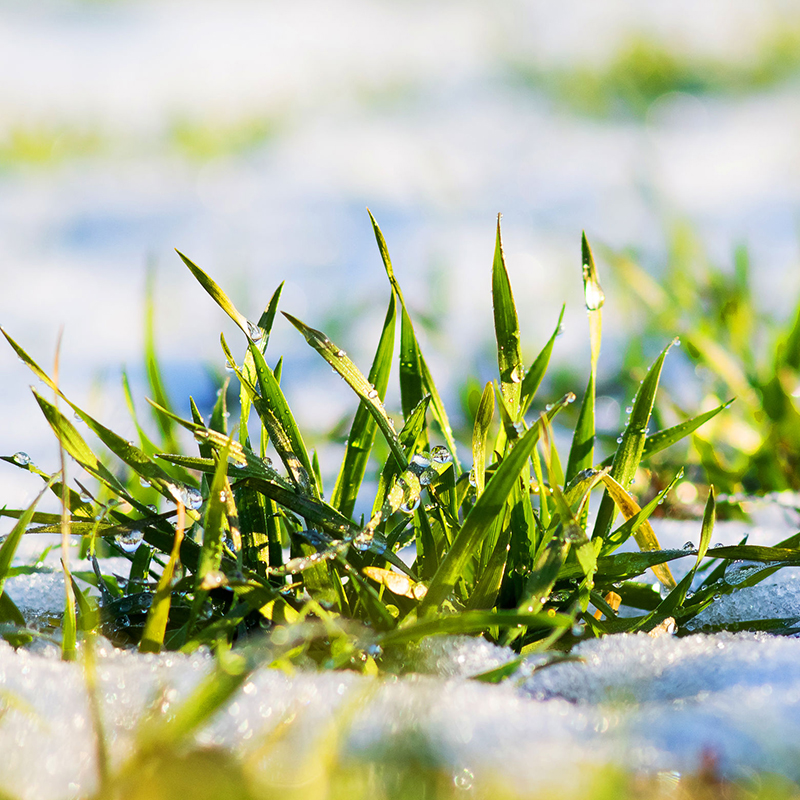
[(649, 704)]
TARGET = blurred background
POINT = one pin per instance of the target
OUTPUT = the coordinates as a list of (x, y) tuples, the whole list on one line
[(252, 135)]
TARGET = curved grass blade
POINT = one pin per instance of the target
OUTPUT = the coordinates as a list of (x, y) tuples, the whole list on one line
[(272, 400), (11, 542), (629, 451), (533, 377), (644, 534), (437, 406), (155, 625), (369, 395), (472, 622), (480, 432), (581, 454), (506, 330), (153, 369), (362, 431), (483, 514), (265, 324), (222, 300)]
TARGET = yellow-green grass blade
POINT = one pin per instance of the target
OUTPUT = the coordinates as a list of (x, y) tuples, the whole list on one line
[(410, 369), (471, 622), (581, 454), (506, 330), (155, 625), (410, 437), (265, 323), (368, 393), (153, 368), (632, 523), (271, 423), (221, 299), (661, 440), (644, 534), (483, 514), (11, 542), (437, 406), (362, 431), (533, 377), (480, 432), (273, 401), (630, 449)]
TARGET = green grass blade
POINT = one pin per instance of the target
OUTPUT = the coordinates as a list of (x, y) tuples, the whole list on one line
[(11, 542), (480, 432), (669, 436), (265, 324), (362, 431), (369, 395), (437, 406), (581, 454), (644, 534), (629, 451), (483, 514), (155, 625), (471, 622), (153, 369), (506, 330), (533, 377), (221, 299), (285, 435)]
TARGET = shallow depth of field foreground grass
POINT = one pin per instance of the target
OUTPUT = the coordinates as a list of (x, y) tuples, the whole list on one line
[(251, 556)]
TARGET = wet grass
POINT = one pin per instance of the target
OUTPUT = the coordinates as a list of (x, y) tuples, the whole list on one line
[(236, 544), (512, 539)]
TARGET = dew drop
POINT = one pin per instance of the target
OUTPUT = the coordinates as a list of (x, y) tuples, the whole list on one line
[(229, 367), (516, 375), (223, 497), (419, 463), (85, 497), (441, 455), (362, 542), (688, 546), (629, 410), (411, 506), (473, 481), (619, 440), (144, 482), (239, 464), (129, 541), (372, 394), (548, 407), (23, 459), (341, 353), (256, 334)]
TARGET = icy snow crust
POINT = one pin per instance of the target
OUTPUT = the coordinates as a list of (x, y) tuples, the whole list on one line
[(633, 701)]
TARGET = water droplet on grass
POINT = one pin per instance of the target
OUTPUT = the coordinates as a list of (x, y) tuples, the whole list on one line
[(23, 459), (516, 375), (341, 353), (372, 394), (129, 541), (441, 455), (619, 440), (629, 410), (473, 481), (688, 546), (256, 334), (410, 506)]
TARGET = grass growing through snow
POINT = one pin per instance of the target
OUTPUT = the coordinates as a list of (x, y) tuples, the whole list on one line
[(506, 547)]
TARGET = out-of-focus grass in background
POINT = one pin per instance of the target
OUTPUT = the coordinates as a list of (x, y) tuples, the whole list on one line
[(253, 134)]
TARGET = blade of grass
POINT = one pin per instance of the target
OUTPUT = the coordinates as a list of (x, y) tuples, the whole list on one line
[(437, 406), (533, 377), (480, 432), (629, 451), (362, 431), (155, 626), (506, 330), (369, 395), (482, 515)]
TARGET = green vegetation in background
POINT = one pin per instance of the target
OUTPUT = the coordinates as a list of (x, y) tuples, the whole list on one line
[(644, 69), (250, 547), (734, 349)]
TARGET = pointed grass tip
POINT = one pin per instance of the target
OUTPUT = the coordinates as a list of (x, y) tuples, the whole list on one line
[(592, 291)]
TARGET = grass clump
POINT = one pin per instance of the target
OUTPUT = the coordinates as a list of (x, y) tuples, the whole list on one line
[(506, 548)]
